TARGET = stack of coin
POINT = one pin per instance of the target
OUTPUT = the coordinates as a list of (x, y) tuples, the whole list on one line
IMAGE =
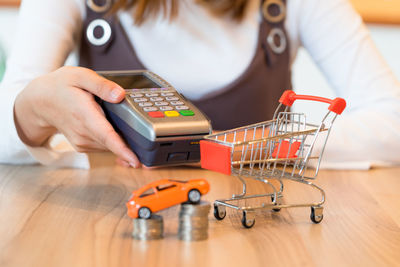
[(148, 229), (193, 221)]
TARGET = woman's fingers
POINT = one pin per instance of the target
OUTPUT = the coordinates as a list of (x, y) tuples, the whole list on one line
[(88, 116), (122, 163), (72, 111), (82, 142), (114, 142), (90, 81), (104, 133)]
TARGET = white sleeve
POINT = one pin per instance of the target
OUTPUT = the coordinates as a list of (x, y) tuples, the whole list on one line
[(47, 32), (368, 132)]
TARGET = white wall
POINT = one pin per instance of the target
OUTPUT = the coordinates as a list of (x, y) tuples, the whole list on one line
[(8, 25)]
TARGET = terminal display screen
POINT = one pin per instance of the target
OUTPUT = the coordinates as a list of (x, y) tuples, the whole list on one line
[(132, 81)]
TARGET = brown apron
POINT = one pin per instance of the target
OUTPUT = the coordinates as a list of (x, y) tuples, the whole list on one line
[(251, 98)]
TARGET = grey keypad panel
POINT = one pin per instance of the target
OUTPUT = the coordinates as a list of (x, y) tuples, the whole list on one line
[(154, 101)]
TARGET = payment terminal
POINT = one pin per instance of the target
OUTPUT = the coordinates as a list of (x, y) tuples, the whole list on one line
[(158, 123)]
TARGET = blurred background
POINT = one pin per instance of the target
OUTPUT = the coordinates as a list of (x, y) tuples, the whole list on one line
[(382, 18)]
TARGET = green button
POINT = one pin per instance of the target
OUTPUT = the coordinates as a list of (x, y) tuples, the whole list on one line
[(186, 112)]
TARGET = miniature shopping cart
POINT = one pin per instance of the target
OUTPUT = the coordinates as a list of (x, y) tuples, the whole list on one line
[(286, 147)]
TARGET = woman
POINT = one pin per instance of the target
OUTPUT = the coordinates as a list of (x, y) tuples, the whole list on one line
[(232, 58)]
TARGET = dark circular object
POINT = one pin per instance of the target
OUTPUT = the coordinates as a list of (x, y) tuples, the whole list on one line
[(194, 196), (144, 213), (217, 214), (315, 219), (247, 223)]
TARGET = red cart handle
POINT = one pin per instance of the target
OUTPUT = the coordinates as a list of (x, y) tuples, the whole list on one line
[(337, 105)]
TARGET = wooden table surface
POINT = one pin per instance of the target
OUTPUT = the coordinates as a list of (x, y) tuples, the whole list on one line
[(68, 217)]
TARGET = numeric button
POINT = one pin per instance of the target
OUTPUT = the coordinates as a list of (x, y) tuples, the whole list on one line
[(156, 99), (172, 98), (165, 108), (177, 103), (151, 94), (167, 94), (161, 103), (145, 104), (181, 107), (136, 95), (148, 109), (140, 99)]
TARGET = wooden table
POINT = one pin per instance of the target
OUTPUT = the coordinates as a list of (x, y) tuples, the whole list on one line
[(67, 217)]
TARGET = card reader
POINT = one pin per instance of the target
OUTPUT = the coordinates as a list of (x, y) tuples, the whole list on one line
[(158, 123)]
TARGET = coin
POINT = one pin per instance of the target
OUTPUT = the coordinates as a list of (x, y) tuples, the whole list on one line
[(193, 235), (148, 229), (195, 209), (193, 221)]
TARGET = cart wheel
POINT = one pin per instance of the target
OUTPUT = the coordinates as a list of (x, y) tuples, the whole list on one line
[(275, 209), (316, 215), (248, 221), (219, 212)]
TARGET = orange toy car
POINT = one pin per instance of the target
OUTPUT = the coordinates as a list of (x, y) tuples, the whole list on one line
[(164, 193)]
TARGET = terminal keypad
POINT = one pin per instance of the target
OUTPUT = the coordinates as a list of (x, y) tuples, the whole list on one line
[(159, 102)]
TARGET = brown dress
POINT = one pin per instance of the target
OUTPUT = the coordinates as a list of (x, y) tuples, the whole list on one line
[(250, 98)]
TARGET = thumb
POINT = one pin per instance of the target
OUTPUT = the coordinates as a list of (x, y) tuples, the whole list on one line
[(92, 82)]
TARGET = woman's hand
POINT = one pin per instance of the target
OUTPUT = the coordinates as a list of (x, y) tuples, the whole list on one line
[(63, 101)]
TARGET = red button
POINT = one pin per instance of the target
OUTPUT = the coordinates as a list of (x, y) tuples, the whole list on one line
[(156, 114)]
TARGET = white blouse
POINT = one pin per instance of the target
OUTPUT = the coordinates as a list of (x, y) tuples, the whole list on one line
[(200, 54)]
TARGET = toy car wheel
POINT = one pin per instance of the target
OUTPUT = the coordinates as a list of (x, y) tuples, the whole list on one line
[(194, 196), (144, 213), (219, 212)]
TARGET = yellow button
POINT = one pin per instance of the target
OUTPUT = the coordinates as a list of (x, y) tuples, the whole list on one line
[(171, 113)]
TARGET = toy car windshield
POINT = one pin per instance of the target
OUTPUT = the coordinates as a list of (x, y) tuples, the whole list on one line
[(177, 181)]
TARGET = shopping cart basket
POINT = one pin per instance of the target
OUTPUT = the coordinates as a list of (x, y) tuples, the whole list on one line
[(282, 148)]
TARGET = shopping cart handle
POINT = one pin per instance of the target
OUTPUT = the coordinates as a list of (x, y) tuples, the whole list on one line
[(337, 105)]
